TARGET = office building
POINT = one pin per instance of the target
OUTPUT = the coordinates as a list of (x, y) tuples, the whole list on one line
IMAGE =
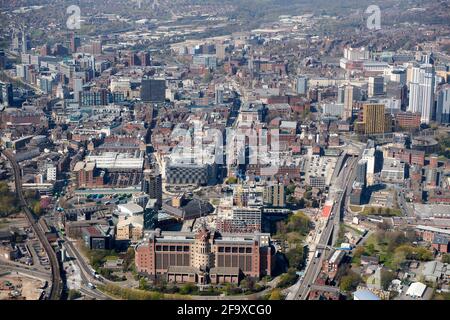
[(152, 185), (97, 47), (205, 60), (221, 51), (443, 105), (204, 257), (75, 43), (219, 95), (302, 85), (153, 90), (3, 59), (376, 86), (369, 157), (6, 91), (26, 43), (375, 120), (351, 94), (393, 171), (361, 172)]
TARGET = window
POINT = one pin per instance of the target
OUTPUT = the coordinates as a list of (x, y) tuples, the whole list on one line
[(241, 250), (248, 250), (227, 249), (221, 249), (179, 248), (158, 248), (172, 248), (234, 249)]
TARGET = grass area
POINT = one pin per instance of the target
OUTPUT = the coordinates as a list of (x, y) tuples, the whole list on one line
[(135, 294), (355, 208), (111, 258), (385, 212), (353, 228), (392, 248), (9, 204), (293, 232), (3, 223)]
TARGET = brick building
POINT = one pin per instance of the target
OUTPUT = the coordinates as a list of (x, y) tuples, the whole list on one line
[(204, 257)]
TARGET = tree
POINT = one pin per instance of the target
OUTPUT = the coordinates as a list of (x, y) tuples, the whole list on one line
[(276, 295), (446, 258), (350, 281), (295, 257), (288, 278), (370, 249), (74, 294), (359, 251), (386, 278), (187, 288), (143, 284), (37, 208)]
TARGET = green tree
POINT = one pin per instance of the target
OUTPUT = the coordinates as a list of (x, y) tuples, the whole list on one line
[(143, 284), (276, 294), (288, 278), (386, 278), (187, 288), (74, 294), (350, 281), (446, 258)]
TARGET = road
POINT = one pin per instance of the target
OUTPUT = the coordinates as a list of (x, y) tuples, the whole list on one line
[(56, 283), (85, 272), (31, 271), (338, 191)]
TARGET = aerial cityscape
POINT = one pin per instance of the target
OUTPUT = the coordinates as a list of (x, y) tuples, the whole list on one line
[(224, 150)]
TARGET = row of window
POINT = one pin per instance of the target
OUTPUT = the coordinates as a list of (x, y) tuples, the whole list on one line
[(235, 249), (166, 248), (172, 248)]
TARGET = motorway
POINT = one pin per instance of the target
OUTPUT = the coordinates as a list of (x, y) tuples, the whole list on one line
[(338, 191), (56, 283)]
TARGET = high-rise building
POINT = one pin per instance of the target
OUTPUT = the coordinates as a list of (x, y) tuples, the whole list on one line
[(443, 105), (374, 119), (219, 95), (152, 185), (26, 42), (421, 91), (75, 43), (144, 58), (97, 47), (6, 90), (153, 90), (221, 51), (361, 172), (376, 86), (302, 85), (2, 59), (341, 95), (274, 195), (351, 94)]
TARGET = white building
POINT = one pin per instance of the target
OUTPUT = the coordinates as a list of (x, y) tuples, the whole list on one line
[(369, 156), (51, 173), (421, 91), (416, 290)]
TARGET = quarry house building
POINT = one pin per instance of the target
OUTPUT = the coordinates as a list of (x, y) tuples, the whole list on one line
[(204, 257)]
